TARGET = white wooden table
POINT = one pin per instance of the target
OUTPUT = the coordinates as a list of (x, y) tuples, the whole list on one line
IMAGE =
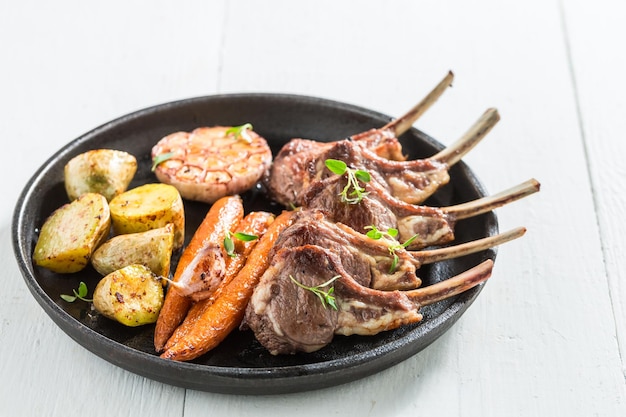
[(547, 336)]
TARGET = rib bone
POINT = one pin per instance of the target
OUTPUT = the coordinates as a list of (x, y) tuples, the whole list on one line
[(441, 254), (404, 123), (486, 204), (453, 153), (452, 286)]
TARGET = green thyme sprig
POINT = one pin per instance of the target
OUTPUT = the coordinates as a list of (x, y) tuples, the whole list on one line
[(352, 193), (161, 158), (390, 234), (229, 245), (326, 297), (81, 294), (240, 132)]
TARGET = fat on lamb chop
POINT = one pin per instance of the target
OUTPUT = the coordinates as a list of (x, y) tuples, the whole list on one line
[(287, 318), (426, 225), (382, 263)]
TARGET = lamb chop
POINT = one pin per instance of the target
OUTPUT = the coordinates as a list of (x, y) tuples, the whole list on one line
[(298, 163), (287, 316), (380, 263), (425, 225), (301, 162), (368, 260)]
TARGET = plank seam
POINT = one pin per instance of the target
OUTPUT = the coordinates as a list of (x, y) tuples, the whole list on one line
[(596, 205)]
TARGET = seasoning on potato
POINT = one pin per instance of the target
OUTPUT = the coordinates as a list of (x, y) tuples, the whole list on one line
[(72, 232), (148, 207), (104, 171), (152, 249), (132, 296)]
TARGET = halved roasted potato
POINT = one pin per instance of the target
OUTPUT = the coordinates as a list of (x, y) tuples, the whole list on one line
[(148, 207), (152, 249), (72, 232), (104, 171), (132, 296)]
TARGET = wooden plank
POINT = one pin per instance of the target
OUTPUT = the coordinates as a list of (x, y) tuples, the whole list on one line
[(598, 66)]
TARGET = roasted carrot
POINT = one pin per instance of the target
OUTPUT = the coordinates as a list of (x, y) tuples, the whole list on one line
[(255, 223), (223, 215), (226, 312)]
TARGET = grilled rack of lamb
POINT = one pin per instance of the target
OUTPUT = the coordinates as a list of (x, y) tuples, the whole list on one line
[(325, 254), (300, 162), (371, 296), (429, 225), (371, 261), (286, 319)]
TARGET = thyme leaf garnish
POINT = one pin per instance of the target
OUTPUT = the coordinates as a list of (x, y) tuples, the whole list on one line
[(240, 132), (81, 294), (326, 297), (353, 192), (390, 234), (160, 158), (229, 245)]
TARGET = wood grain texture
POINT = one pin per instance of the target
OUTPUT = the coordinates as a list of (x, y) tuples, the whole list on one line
[(598, 77), (547, 336)]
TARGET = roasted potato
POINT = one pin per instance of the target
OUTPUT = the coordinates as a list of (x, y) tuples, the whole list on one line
[(132, 296), (72, 232), (104, 171), (152, 249), (148, 207)]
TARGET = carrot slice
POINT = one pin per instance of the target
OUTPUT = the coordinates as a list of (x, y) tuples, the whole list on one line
[(224, 215), (255, 223), (226, 312)]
